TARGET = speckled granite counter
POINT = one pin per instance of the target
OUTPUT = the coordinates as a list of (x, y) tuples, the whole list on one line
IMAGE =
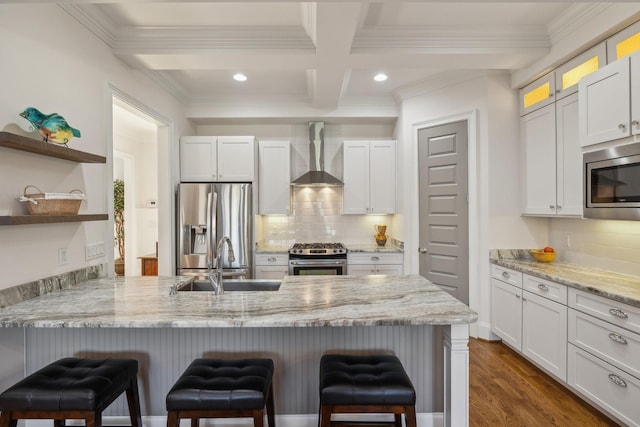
[(262, 248), (615, 286), (144, 302), (374, 248)]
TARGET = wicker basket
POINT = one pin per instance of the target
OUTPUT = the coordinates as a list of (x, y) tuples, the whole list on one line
[(52, 203)]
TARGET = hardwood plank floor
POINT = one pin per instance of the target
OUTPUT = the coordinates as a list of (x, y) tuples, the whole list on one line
[(508, 390)]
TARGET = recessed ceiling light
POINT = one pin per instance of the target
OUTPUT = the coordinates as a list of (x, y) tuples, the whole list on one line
[(239, 77), (380, 77)]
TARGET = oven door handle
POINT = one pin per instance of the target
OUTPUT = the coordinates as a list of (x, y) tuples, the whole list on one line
[(314, 263)]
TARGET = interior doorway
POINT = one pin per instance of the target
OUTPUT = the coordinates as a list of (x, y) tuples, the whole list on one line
[(135, 161), (443, 212)]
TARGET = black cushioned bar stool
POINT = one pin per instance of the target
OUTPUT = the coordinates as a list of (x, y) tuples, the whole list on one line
[(72, 388), (365, 384), (223, 388)]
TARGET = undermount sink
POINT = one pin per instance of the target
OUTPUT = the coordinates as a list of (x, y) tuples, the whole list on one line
[(232, 285)]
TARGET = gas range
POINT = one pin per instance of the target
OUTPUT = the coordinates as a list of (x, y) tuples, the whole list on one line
[(318, 249), (317, 259)]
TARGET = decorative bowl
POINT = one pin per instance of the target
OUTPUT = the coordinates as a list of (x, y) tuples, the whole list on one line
[(542, 256)]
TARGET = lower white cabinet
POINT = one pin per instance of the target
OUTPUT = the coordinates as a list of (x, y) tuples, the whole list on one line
[(366, 263), (531, 320), (611, 388), (272, 266), (506, 313), (544, 333)]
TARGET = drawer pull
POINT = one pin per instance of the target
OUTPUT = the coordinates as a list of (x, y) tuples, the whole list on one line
[(375, 258), (543, 287), (505, 275), (271, 259), (618, 313), (617, 338), (617, 380)]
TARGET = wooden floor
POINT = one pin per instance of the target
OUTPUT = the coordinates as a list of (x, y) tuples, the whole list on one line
[(507, 390)]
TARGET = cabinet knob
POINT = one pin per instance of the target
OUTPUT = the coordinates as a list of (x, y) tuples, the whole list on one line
[(635, 123), (552, 206), (618, 313), (617, 338), (423, 250), (617, 380), (622, 127)]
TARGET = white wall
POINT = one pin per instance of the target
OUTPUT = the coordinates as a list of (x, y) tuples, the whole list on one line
[(56, 65)]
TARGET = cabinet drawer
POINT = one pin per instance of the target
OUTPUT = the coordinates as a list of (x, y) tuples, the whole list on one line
[(620, 314), (545, 288), (506, 275), (611, 343), (272, 259), (608, 387), (374, 258)]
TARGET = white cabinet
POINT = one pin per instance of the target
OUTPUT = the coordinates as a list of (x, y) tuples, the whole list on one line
[(506, 312), (530, 315), (271, 266), (610, 102), (553, 160), (544, 324), (217, 158), (604, 353), (369, 177), (364, 264), (274, 177)]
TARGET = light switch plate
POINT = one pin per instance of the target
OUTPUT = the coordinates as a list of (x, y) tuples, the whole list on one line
[(94, 250)]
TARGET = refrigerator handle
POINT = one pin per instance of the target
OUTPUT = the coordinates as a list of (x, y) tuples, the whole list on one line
[(211, 203)]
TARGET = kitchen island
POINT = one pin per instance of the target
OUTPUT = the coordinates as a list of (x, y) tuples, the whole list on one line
[(308, 316)]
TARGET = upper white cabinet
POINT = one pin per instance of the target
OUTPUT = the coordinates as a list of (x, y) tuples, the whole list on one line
[(610, 102), (217, 158), (553, 160), (369, 177), (563, 81), (623, 43), (274, 177)]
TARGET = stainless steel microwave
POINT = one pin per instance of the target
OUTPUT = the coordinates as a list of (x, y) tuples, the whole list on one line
[(612, 183)]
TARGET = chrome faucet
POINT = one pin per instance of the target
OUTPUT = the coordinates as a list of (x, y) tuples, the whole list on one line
[(216, 280)]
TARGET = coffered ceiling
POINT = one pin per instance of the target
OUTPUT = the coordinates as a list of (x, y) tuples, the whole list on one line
[(319, 58)]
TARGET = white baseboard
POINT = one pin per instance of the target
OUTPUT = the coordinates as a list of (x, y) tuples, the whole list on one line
[(296, 420), (484, 332)]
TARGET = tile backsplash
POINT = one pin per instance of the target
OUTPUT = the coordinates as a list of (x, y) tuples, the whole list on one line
[(317, 217), (610, 245)]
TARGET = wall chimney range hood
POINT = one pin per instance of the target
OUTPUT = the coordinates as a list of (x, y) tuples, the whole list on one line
[(316, 177)]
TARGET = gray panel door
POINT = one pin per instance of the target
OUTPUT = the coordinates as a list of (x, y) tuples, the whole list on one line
[(443, 207)]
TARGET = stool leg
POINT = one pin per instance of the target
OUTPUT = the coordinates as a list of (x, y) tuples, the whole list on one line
[(325, 415), (397, 419), (172, 419), (410, 416), (93, 419), (133, 400), (195, 422), (271, 415), (258, 418), (58, 423), (6, 420)]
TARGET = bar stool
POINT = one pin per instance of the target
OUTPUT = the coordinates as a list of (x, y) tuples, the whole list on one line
[(223, 388), (365, 384), (72, 388)]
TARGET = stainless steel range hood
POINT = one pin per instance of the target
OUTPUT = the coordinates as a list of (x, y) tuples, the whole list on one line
[(316, 175)]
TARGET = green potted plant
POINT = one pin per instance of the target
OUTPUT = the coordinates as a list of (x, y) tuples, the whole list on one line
[(118, 219)]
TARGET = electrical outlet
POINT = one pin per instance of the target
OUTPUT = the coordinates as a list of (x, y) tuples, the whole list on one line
[(62, 256), (94, 250)]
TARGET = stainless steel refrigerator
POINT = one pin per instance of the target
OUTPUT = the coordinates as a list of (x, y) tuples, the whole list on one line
[(206, 213)]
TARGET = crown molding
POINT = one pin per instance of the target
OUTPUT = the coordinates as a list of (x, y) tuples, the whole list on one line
[(439, 82), (452, 39), (97, 23), (573, 19), (168, 84)]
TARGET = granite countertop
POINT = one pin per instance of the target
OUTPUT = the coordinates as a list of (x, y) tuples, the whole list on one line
[(145, 302), (619, 287), (354, 248)]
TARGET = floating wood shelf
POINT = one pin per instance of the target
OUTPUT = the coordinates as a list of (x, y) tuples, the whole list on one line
[(17, 142), (49, 219)]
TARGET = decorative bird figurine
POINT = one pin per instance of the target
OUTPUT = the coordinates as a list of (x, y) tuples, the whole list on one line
[(52, 127)]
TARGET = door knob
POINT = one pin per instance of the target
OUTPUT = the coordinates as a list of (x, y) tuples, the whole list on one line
[(423, 250)]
